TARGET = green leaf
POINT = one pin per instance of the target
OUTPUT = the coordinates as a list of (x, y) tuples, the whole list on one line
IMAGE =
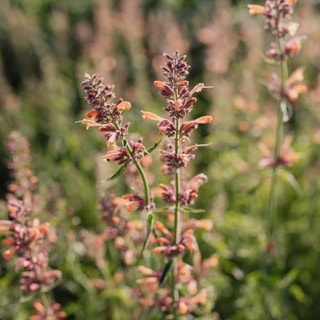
[(286, 175), (117, 173), (191, 210), (149, 230), (165, 272), (154, 146)]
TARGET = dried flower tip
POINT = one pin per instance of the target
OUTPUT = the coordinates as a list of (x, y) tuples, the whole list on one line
[(256, 9), (151, 116)]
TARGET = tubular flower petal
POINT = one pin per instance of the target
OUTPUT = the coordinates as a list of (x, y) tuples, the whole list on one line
[(203, 120), (9, 252), (183, 308), (293, 46), (151, 116), (291, 28), (92, 114), (201, 297), (256, 9), (145, 271), (295, 76), (90, 123), (159, 84), (124, 105), (197, 88), (132, 204)]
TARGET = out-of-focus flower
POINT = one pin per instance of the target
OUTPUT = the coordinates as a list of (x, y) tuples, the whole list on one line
[(292, 88), (256, 9), (286, 158), (293, 46)]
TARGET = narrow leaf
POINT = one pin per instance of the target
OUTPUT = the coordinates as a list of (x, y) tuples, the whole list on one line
[(292, 181), (191, 210), (117, 173), (149, 230), (154, 146), (165, 272)]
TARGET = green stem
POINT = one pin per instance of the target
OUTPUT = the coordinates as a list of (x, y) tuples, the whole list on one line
[(271, 207), (177, 187), (140, 169), (177, 232)]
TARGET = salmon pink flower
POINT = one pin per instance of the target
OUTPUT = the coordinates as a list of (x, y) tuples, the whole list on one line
[(256, 9)]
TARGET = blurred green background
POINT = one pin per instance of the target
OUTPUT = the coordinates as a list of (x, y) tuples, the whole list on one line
[(46, 46)]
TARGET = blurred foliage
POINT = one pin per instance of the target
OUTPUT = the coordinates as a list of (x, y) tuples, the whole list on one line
[(45, 48)]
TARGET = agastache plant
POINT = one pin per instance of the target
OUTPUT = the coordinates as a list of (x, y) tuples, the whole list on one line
[(175, 237), (285, 88), (26, 237)]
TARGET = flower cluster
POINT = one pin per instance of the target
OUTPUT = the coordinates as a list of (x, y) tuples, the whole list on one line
[(286, 88), (188, 193), (47, 313), (26, 237), (184, 277), (180, 101), (133, 157)]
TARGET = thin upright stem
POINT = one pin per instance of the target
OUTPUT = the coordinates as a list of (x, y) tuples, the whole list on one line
[(271, 207), (140, 169), (177, 189)]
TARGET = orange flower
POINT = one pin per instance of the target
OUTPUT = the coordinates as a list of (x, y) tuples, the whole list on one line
[(203, 120), (90, 123), (124, 106), (159, 84), (92, 114), (201, 297), (132, 204), (5, 225), (151, 116), (183, 308), (291, 27), (293, 90), (256, 9), (9, 252), (293, 45), (197, 88)]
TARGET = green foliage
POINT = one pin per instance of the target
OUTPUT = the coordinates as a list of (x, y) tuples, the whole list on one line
[(45, 48)]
